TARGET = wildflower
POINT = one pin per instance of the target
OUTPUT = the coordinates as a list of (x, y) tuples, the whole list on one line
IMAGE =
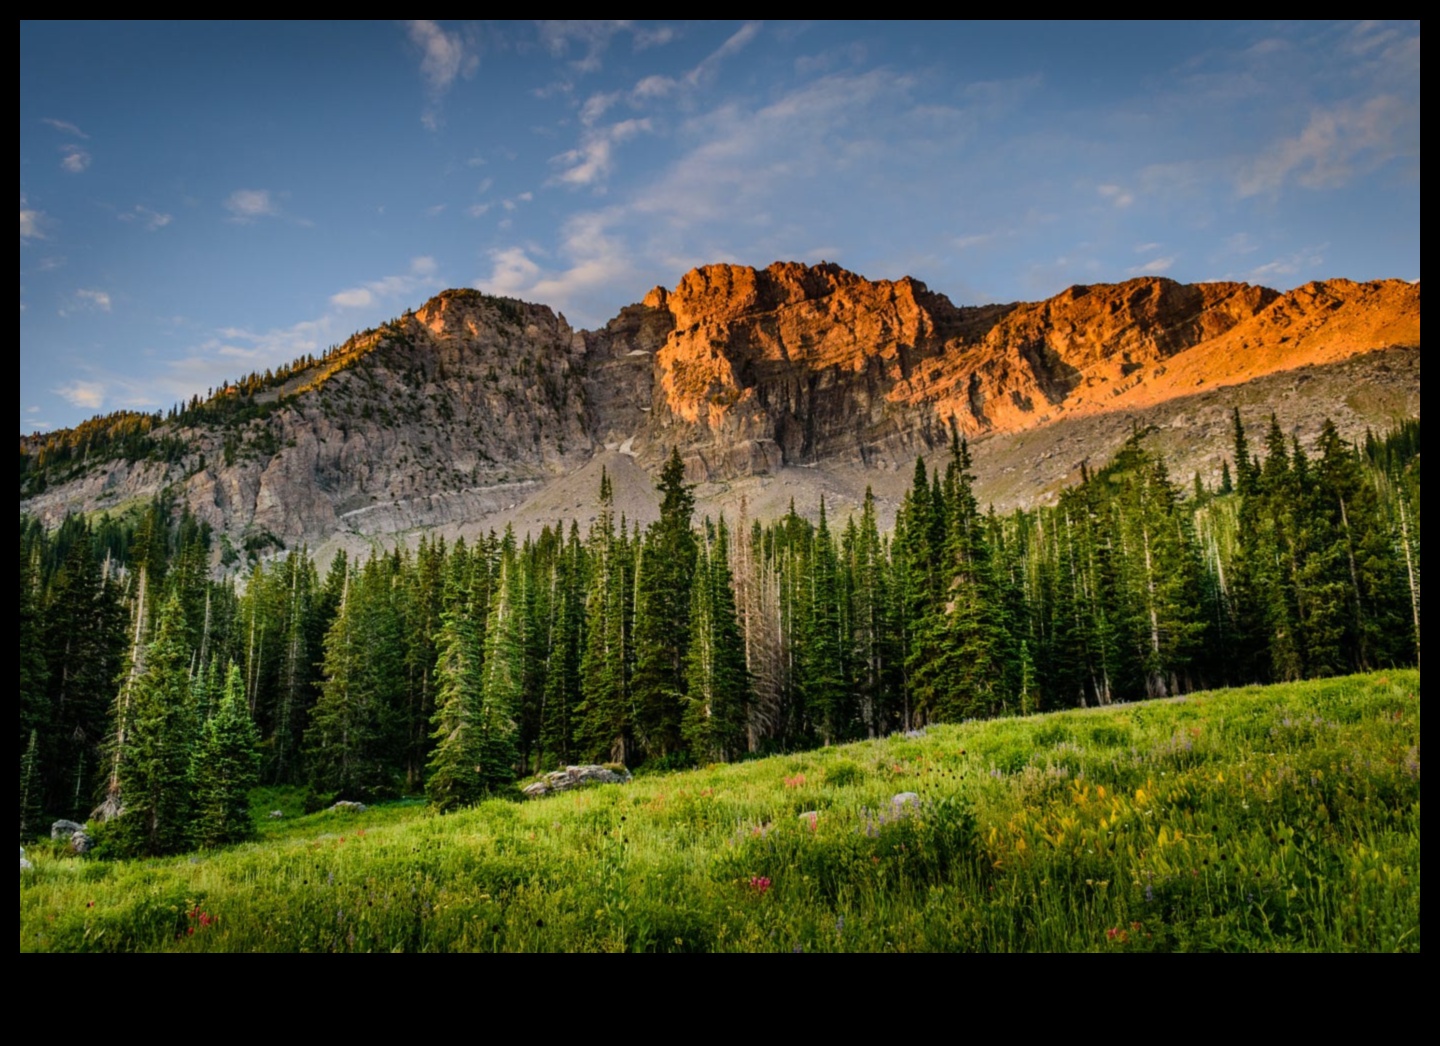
[(760, 883)]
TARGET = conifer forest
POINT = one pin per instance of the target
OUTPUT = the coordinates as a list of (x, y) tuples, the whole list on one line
[(150, 686)]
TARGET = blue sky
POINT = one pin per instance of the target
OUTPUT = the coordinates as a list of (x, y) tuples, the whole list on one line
[(202, 200)]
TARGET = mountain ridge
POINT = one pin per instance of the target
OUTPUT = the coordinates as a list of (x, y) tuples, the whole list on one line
[(465, 408)]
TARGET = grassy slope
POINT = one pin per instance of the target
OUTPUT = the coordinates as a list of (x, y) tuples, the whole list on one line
[(1279, 818)]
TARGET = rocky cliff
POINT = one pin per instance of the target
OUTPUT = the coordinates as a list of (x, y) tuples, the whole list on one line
[(472, 405)]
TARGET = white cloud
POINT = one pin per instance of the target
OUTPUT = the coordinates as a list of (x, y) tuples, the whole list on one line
[(75, 159), (1147, 248), (444, 58), (655, 87), (30, 222), (707, 69), (442, 54), (595, 260), (245, 205), (659, 37), (87, 394), (151, 220), (94, 299), (1117, 195), (477, 210), (596, 105), (593, 160), (1290, 264), (355, 298), (420, 278), (64, 125), (435, 211), (1154, 267), (1336, 144), (511, 272)]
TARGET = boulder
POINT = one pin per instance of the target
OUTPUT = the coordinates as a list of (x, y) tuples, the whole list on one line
[(905, 803), (346, 806), (576, 777), (276, 815), (62, 830), (24, 863), (81, 842)]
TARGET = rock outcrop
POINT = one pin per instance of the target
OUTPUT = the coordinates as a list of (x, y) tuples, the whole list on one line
[(569, 777)]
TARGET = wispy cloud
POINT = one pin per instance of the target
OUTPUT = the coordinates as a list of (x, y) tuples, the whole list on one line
[(592, 38), (97, 299), (1337, 144), (1307, 258), (593, 159), (421, 277), (593, 258), (30, 222), (444, 58), (245, 205), (150, 220), (87, 394), (64, 125), (74, 158), (1153, 267), (655, 87), (1118, 195)]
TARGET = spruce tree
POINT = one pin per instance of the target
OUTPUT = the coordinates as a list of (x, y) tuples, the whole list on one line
[(503, 673), (453, 775), (154, 770), (227, 766), (717, 690), (662, 612)]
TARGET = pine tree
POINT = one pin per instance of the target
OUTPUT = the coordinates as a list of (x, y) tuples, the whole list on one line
[(503, 673), (662, 613), (605, 721), (716, 684), (154, 769), (453, 775), (227, 766)]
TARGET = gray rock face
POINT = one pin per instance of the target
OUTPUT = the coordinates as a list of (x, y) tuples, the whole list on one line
[(345, 806), (576, 777), (81, 842), (62, 830)]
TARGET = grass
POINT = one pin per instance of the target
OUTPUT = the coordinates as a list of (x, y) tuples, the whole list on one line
[(1262, 819)]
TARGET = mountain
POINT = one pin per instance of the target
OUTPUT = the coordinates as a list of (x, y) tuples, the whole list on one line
[(789, 382)]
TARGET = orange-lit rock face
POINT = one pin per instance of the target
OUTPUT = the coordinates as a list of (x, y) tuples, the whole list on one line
[(820, 363)]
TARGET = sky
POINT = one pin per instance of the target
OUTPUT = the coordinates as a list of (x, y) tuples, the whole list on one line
[(203, 200)]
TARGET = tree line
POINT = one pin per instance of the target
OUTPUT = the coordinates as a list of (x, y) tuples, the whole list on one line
[(452, 669)]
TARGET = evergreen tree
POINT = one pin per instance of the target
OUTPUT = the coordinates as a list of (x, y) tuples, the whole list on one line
[(503, 673), (662, 612), (154, 769), (716, 684), (453, 775), (227, 766), (605, 718)]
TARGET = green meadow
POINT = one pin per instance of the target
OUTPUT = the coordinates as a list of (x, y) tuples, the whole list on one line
[(1282, 818)]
